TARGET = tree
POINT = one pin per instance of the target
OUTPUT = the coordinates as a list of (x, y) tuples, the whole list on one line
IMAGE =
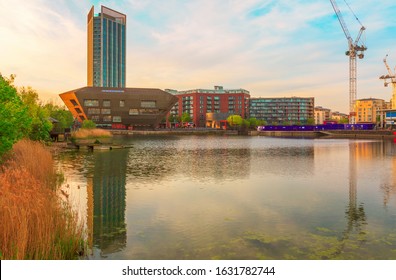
[(253, 123), (88, 124), (310, 121), (14, 120), (234, 120), (186, 117), (62, 115), (343, 120), (41, 126)]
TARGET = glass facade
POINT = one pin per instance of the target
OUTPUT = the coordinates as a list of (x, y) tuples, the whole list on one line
[(108, 49)]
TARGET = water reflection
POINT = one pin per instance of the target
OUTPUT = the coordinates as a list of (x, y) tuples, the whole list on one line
[(240, 198), (106, 202)]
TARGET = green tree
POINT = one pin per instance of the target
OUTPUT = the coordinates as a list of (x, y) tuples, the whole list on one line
[(88, 124), (41, 126), (343, 121), (310, 121), (61, 114), (261, 122), (186, 117), (234, 120), (14, 120), (253, 123)]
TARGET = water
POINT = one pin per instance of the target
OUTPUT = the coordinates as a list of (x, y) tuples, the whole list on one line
[(212, 197)]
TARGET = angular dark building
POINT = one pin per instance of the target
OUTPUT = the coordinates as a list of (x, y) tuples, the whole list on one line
[(106, 100), (119, 108), (106, 48)]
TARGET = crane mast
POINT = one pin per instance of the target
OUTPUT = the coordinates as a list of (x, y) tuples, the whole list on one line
[(392, 77), (354, 50)]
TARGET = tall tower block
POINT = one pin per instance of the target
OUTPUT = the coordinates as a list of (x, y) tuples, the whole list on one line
[(106, 48)]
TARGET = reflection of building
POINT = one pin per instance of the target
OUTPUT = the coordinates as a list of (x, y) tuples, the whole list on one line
[(322, 114), (119, 107), (107, 202), (106, 48), (198, 102), (283, 109)]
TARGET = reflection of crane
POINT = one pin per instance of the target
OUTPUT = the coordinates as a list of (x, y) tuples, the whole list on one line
[(354, 49), (392, 78)]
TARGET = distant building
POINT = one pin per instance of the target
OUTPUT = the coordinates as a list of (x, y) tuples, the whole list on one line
[(368, 110), (106, 48), (321, 114), (119, 108), (290, 110), (337, 116), (198, 102)]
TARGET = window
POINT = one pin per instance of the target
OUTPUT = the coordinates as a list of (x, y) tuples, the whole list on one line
[(116, 119), (73, 102), (93, 111), (107, 118), (149, 111), (106, 103), (91, 102), (106, 111), (133, 112), (122, 103), (95, 118), (148, 104), (78, 110)]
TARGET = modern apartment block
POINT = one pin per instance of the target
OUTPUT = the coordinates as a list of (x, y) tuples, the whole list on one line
[(368, 110), (321, 114), (218, 101), (279, 110), (106, 48)]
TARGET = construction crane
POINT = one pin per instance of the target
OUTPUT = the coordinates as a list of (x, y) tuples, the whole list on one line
[(391, 76), (355, 48)]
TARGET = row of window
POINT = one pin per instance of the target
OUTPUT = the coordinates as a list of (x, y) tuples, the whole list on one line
[(115, 119), (107, 103)]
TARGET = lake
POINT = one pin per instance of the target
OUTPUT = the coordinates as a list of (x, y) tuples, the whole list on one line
[(235, 197)]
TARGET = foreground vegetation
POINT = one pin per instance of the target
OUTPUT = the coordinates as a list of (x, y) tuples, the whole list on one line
[(23, 115), (35, 222)]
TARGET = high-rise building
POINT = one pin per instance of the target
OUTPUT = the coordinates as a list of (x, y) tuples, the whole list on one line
[(106, 48)]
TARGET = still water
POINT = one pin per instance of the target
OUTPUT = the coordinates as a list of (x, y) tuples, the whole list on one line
[(219, 197)]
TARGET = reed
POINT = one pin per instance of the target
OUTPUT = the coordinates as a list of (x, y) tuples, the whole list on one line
[(35, 223), (91, 133)]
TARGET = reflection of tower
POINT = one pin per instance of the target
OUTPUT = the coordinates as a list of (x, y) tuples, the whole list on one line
[(106, 201), (388, 185), (355, 214)]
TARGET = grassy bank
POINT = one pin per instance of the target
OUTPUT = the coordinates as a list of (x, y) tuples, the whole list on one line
[(35, 223)]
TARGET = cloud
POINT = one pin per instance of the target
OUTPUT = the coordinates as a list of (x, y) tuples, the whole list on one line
[(271, 48)]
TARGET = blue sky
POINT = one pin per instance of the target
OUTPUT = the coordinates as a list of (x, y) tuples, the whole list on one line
[(271, 48)]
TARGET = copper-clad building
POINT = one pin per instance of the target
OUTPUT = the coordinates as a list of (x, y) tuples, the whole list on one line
[(119, 107)]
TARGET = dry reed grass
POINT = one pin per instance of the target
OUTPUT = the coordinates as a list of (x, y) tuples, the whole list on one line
[(91, 133), (34, 222)]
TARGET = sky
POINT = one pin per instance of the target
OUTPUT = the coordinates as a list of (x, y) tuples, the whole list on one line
[(270, 48)]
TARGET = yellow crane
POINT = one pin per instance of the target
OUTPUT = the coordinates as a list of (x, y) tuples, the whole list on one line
[(355, 48), (392, 78)]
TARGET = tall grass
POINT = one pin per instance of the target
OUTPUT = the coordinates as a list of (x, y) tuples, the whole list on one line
[(91, 133), (35, 223)]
